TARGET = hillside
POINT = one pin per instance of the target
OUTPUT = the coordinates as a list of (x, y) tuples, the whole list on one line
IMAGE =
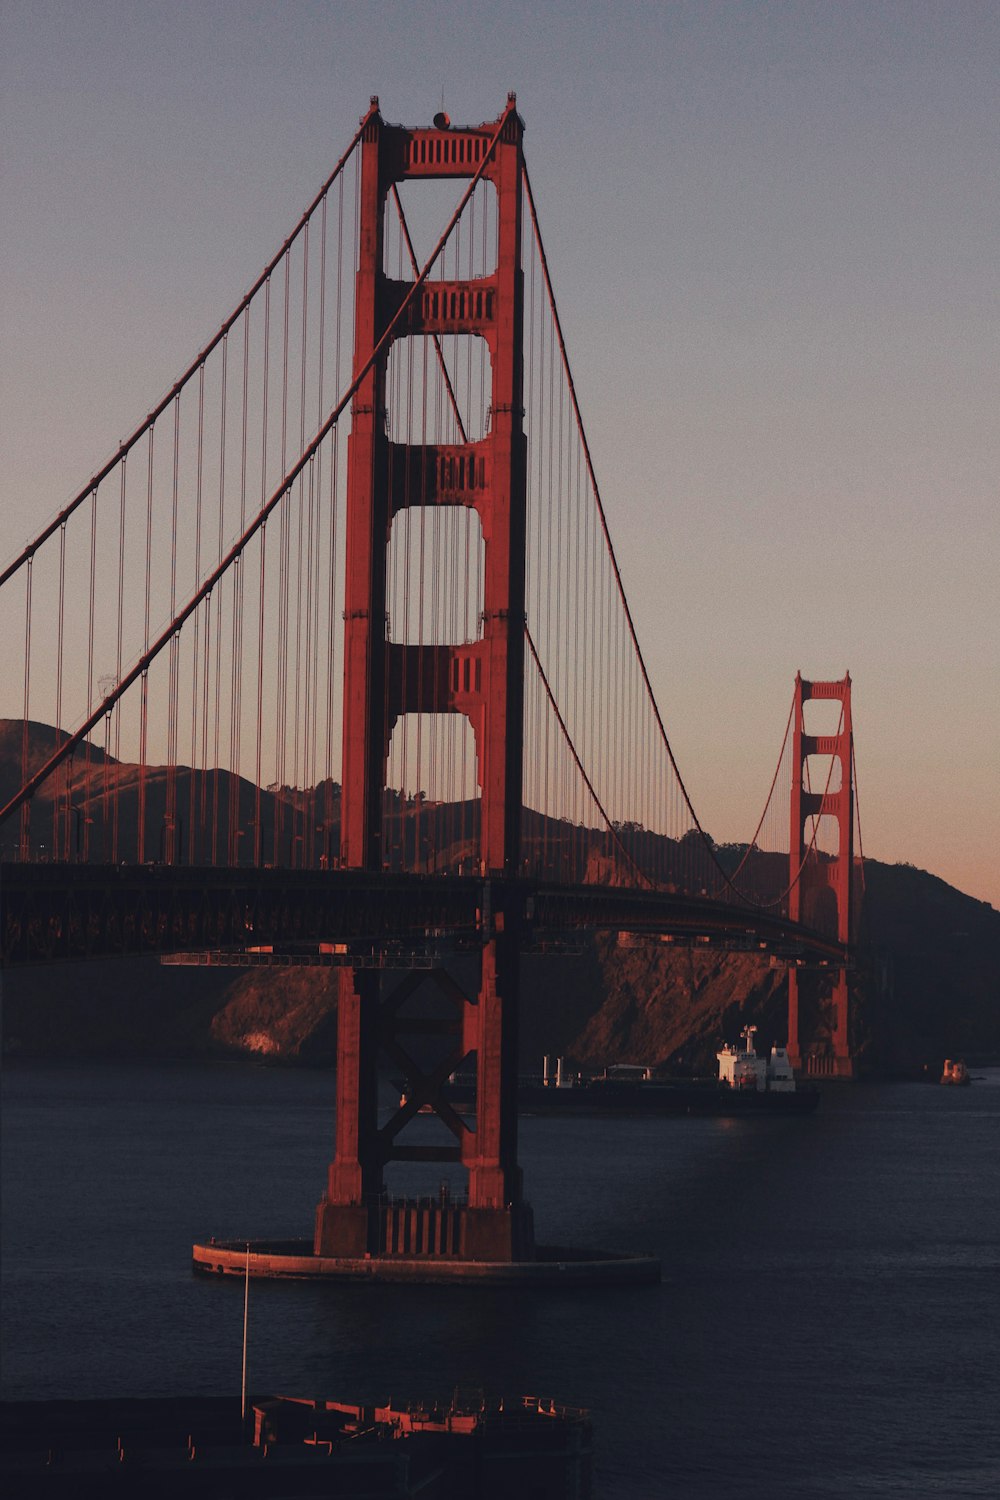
[(928, 985), (930, 989)]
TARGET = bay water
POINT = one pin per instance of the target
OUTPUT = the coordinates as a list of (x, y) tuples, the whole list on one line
[(828, 1323)]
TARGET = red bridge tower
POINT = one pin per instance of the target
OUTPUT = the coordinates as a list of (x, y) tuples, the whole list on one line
[(811, 877), (482, 679)]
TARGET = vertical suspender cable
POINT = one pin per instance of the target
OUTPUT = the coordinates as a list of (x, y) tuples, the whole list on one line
[(217, 725), (197, 619), (87, 816), (334, 490), (118, 666), (239, 592), (257, 832), (259, 725), (297, 779), (283, 564), (25, 747), (169, 851), (320, 522), (144, 681), (61, 619)]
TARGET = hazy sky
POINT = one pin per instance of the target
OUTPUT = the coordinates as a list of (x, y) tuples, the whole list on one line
[(774, 231)]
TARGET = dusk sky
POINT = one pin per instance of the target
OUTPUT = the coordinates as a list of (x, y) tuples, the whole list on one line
[(774, 233)]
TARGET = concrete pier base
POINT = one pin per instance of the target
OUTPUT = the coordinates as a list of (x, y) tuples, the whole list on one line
[(422, 1227), (553, 1265)]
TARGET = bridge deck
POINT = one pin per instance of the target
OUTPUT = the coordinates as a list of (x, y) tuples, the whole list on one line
[(52, 912)]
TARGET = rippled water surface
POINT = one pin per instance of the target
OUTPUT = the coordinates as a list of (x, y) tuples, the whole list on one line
[(828, 1323)]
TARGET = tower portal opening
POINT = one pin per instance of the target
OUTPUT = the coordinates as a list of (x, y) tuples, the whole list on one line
[(435, 569)]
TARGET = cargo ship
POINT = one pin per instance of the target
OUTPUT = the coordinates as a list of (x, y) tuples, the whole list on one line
[(746, 1085)]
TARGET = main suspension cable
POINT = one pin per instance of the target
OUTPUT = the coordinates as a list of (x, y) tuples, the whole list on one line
[(640, 659), (579, 763), (141, 666), (129, 443)]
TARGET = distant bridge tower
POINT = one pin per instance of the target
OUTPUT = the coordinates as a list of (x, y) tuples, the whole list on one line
[(482, 679), (812, 877)]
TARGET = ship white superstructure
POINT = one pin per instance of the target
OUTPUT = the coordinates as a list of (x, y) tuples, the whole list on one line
[(741, 1068)]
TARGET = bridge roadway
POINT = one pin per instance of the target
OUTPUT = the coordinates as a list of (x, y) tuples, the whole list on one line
[(69, 912)]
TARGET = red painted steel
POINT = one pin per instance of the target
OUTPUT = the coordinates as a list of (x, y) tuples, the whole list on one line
[(484, 680), (809, 877)]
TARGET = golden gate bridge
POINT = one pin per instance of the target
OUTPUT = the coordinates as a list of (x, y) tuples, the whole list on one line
[(332, 662)]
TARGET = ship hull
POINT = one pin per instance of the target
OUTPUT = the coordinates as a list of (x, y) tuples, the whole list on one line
[(680, 1098)]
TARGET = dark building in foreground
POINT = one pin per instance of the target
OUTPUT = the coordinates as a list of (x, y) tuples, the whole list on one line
[(293, 1447)]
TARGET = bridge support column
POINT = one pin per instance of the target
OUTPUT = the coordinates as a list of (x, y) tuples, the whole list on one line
[(495, 1224), (843, 1060), (354, 1182), (827, 1060), (794, 1047), (498, 1222)]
